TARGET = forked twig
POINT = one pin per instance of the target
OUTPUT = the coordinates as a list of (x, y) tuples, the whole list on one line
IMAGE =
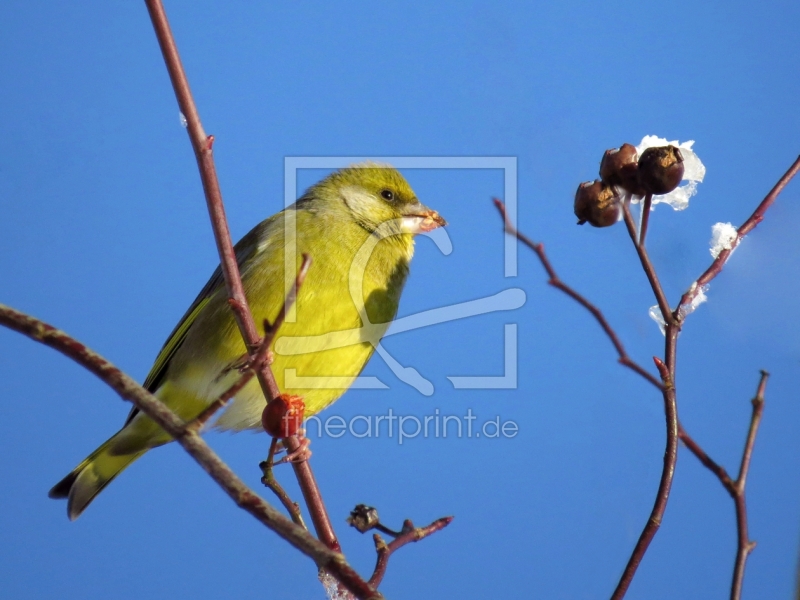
[(365, 518), (408, 534), (556, 282), (665, 385), (269, 481), (736, 487), (673, 323)]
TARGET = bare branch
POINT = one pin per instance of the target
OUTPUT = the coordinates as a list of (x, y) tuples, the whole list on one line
[(647, 266), (202, 146), (666, 369), (261, 353), (736, 489), (673, 323), (666, 386), (554, 280), (269, 481), (646, 203), (245, 498), (408, 534), (707, 461)]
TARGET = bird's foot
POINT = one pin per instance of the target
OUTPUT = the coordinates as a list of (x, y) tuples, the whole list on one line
[(300, 453)]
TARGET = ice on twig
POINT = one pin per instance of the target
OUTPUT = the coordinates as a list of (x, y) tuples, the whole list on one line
[(655, 314), (699, 298), (182, 119), (694, 172), (332, 589), (685, 309), (723, 235)]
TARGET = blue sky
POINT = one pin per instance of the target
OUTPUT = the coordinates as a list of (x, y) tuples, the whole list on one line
[(103, 232)]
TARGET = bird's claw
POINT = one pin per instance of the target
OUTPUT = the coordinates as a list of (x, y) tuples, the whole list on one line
[(300, 454)]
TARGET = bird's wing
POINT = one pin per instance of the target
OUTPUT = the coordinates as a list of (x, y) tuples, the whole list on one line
[(246, 247)]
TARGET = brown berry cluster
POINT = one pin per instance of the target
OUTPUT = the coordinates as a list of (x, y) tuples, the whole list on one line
[(657, 171)]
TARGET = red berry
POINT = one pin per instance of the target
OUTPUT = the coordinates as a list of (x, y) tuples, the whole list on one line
[(283, 416)]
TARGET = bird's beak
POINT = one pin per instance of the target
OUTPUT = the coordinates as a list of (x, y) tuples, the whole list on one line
[(418, 218)]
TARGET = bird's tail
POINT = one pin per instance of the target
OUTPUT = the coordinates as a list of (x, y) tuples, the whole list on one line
[(90, 477)]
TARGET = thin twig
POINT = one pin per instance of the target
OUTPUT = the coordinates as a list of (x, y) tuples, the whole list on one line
[(209, 411), (736, 488), (268, 479), (252, 364), (647, 266), (202, 146), (750, 224), (271, 329), (408, 534), (673, 323), (708, 462), (667, 473), (648, 200), (325, 558), (667, 371), (666, 386), (554, 280)]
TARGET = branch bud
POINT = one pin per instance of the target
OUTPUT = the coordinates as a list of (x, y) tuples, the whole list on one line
[(363, 518)]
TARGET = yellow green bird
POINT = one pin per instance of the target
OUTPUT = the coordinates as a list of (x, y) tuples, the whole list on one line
[(357, 225)]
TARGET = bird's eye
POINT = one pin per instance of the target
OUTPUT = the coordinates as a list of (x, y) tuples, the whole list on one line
[(387, 194)]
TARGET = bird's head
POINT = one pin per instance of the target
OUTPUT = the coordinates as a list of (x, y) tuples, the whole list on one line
[(375, 194)]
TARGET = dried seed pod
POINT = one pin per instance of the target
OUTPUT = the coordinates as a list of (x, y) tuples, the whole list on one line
[(597, 203), (660, 169), (363, 518), (283, 416), (620, 167)]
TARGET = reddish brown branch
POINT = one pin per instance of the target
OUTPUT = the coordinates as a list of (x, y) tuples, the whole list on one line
[(646, 203), (706, 460), (209, 411), (269, 481), (647, 266), (408, 534), (750, 224), (252, 364), (736, 488), (554, 280), (666, 369), (325, 558), (202, 146)]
